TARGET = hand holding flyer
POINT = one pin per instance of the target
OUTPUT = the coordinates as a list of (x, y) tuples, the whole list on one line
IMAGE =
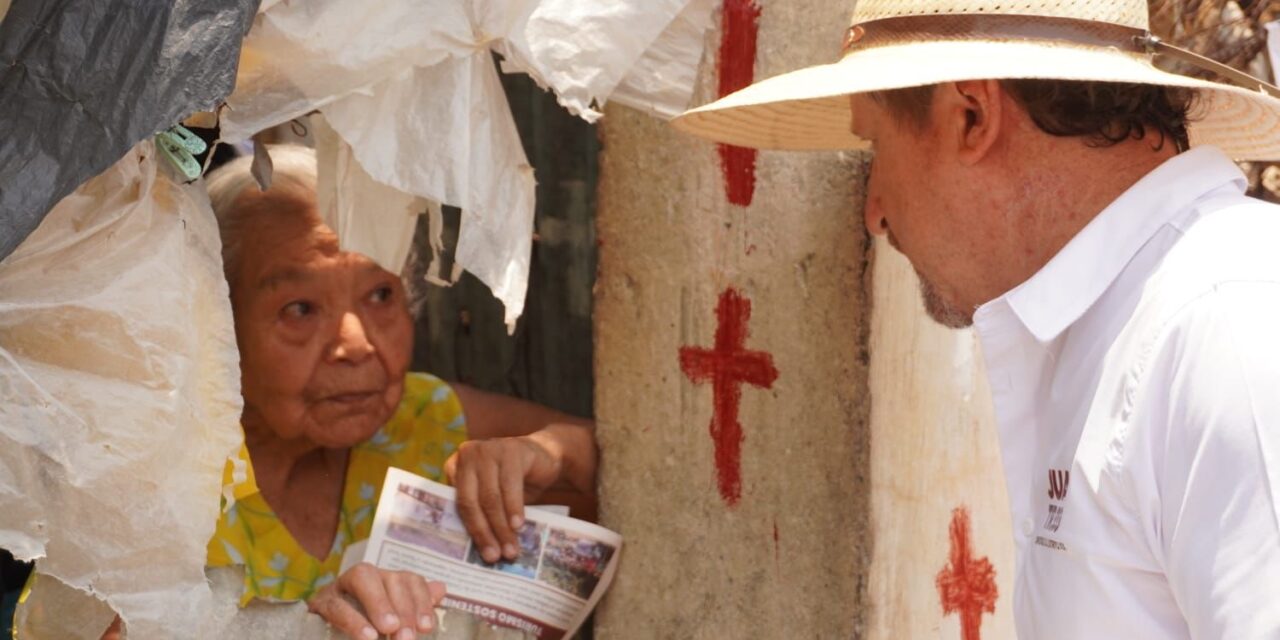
[(564, 567)]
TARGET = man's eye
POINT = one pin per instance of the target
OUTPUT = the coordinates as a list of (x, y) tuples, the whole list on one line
[(382, 294), (297, 309)]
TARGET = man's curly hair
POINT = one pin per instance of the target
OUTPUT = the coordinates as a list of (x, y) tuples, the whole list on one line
[(1104, 113)]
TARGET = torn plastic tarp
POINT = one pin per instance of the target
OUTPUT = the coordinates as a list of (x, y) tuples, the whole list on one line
[(82, 81), (119, 396), (473, 157), (662, 82), (592, 52), (411, 87), (346, 196)]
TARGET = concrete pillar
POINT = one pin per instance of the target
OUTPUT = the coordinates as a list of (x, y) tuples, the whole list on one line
[(934, 449), (785, 552)]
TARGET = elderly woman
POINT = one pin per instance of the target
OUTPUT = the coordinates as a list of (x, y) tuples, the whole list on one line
[(325, 339)]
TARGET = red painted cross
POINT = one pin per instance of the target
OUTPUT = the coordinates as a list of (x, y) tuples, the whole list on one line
[(967, 586), (736, 69), (727, 367)]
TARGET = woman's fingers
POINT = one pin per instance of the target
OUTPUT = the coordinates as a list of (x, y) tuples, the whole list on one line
[(494, 479), (472, 515), (427, 599), (512, 482), (330, 605), (437, 591), (398, 604), (489, 474), (404, 600), (451, 468), (365, 582)]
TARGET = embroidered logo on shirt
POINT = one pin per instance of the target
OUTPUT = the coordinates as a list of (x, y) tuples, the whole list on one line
[(1050, 544), (1058, 480), (1055, 518)]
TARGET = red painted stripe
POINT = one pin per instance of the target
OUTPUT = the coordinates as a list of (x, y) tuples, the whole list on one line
[(736, 70)]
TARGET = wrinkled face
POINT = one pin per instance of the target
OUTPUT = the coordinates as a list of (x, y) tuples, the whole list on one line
[(912, 198), (325, 336)]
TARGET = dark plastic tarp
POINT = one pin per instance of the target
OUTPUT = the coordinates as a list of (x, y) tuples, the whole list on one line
[(82, 81)]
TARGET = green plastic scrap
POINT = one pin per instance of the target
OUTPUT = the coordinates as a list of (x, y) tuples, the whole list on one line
[(181, 147)]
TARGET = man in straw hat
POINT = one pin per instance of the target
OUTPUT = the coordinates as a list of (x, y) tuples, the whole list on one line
[(1080, 207)]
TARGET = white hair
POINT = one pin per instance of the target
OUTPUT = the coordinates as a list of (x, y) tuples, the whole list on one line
[(293, 174)]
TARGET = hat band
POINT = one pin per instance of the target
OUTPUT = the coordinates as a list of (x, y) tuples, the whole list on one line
[(1005, 27), (935, 28)]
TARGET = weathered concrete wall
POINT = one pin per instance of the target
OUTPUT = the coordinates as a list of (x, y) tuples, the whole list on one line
[(789, 560), (934, 449)]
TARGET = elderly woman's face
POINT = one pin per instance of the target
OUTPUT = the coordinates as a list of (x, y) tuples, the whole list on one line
[(324, 335)]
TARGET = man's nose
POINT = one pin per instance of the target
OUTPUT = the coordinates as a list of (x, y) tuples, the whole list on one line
[(874, 218), (352, 343)]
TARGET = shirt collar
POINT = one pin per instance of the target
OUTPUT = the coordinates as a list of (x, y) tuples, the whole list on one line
[(1064, 289)]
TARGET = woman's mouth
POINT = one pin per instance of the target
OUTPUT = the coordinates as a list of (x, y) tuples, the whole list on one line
[(354, 397)]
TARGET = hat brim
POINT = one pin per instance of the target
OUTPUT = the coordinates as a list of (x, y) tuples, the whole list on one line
[(809, 109)]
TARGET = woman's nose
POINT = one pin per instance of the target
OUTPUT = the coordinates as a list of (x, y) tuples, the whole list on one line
[(353, 342)]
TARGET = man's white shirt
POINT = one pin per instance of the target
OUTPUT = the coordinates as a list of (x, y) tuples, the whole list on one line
[(1136, 381)]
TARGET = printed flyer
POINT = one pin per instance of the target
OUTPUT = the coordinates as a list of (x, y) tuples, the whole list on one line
[(565, 565)]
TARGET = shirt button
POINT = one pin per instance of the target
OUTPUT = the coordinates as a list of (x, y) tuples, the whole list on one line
[(1028, 526)]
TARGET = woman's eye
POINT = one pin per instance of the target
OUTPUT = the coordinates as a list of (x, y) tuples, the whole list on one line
[(382, 294), (297, 309)]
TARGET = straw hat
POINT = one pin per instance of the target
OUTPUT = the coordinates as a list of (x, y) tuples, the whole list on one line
[(894, 44)]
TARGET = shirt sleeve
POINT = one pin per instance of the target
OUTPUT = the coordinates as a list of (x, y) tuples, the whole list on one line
[(1219, 521)]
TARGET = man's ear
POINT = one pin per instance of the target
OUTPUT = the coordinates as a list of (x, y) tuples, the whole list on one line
[(975, 110)]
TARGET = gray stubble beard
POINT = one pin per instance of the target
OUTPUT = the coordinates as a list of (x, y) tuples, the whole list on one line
[(937, 307), (941, 311)]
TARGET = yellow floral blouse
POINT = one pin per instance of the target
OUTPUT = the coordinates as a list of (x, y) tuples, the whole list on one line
[(427, 427)]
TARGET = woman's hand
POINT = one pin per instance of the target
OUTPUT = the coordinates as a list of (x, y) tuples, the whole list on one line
[(494, 479), (399, 604), (519, 450)]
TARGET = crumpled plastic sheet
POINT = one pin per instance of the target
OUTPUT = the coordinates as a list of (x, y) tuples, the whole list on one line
[(584, 50), (347, 197), (260, 620), (411, 86), (479, 164), (82, 81), (119, 397), (662, 82)]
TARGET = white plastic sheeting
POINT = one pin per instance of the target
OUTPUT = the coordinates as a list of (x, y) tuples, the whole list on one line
[(119, 395), (470, 154), (348, 199), (662, 82), (411, 86), (584, 50)]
